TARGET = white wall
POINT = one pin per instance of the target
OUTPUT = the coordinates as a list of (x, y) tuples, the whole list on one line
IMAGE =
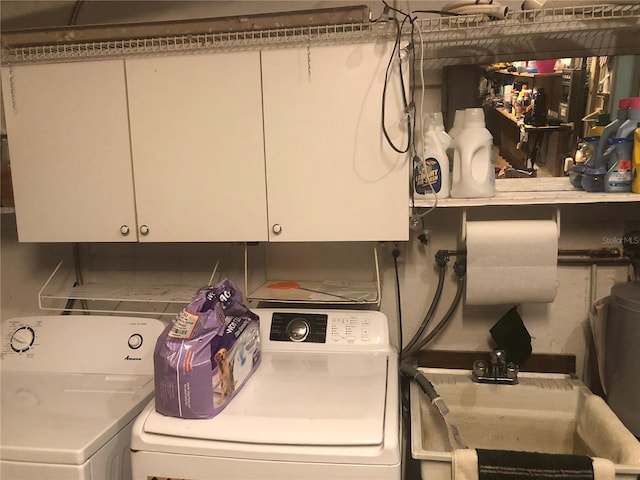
[(556, 328)]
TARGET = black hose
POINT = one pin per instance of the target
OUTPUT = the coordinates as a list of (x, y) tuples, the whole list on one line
[(427, 318), (423, 382), (447, 316)]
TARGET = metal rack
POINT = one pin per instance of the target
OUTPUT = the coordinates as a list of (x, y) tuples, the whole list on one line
[(594, 30), (198, 43), (547, 33), (136, 279)]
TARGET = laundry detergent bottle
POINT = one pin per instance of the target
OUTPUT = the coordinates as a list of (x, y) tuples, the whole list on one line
[(619, 168), (629, 126), (473, 172), (431, 173), (458, 121)]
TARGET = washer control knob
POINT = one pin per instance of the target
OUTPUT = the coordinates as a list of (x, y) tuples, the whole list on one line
[(298, 330), (124, 230), (144, 230), (135, 341), (22, 339), (277, 229)]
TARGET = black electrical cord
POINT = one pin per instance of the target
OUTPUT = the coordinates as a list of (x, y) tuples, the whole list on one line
[(73, 19), (396, 254), (396, 48), (404, 14), (437, 12)]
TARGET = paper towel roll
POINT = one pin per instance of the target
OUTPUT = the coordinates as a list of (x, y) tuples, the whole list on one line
[(511, 262)]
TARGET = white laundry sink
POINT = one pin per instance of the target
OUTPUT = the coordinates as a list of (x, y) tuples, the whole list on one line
[(547, 413)]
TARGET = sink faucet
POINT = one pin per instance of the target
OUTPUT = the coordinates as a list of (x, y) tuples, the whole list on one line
[(499, 371)]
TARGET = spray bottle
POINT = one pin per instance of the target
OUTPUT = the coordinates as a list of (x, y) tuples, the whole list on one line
[(473, 171), (431, 173)]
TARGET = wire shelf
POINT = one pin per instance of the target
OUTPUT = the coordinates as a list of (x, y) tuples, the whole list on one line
[(291, 36), (555, 32), (543, 21), (442, 31)]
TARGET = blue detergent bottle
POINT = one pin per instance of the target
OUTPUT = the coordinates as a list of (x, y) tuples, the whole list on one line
[(598, 157), (619, 166)]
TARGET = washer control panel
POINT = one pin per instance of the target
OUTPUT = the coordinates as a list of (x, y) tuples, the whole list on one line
[(329, 327), (79, 343), (22, 339)]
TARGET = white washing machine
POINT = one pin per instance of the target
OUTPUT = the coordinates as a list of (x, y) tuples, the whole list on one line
[(71, 388), (323, 404)]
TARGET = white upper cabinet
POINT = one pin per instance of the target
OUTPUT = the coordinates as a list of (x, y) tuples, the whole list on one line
[(197, 146), (331, 175), (279, 145), (68, 133)]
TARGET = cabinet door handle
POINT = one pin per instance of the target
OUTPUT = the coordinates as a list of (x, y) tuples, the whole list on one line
[(124, 230), (144, 230), (277, 229)]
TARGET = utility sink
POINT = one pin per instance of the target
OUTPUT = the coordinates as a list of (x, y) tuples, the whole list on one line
[(547, 413)]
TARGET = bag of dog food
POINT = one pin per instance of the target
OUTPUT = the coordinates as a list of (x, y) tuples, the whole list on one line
[(204, 357)]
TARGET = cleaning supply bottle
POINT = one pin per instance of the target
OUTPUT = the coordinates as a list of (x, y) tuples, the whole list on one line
[(623, 108), (473, 171), (431, 172), (635, 174), (629, 126), (618, 176), (597, 129), (599, 155)]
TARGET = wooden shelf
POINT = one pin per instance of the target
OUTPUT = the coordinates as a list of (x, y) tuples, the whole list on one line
[(529, 75), (543, 128)]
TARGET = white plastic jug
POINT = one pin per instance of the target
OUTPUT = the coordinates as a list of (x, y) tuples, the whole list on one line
[(473, 171)]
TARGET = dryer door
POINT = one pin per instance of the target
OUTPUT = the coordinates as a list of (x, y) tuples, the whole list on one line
[(298, 399)]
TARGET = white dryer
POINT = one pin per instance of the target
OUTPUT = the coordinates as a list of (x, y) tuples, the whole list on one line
[(71, 388), (323, 403)]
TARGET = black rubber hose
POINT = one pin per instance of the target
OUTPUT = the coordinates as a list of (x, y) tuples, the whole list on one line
[(427, 318), (425, 385), (447, 316)]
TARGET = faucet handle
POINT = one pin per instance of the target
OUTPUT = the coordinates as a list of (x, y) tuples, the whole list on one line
[(498, 358), (512, 370)]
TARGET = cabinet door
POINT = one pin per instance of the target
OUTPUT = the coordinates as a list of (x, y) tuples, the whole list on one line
[(331, 175), (197, 145), (68, 135)]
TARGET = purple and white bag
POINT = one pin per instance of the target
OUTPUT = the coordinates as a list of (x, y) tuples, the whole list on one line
[(204, 357)]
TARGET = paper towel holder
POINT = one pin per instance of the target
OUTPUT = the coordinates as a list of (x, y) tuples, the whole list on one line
[(555, 216)]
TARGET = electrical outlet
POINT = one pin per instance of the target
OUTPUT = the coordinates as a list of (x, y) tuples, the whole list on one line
[(425, 237)]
